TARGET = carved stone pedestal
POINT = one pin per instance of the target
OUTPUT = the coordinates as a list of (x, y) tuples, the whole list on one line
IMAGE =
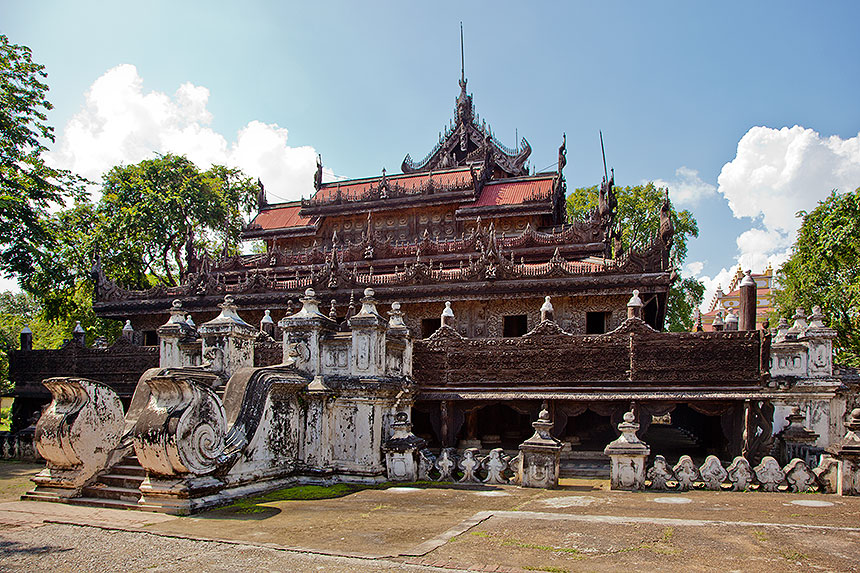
[(540, 455), (627, 456), (849, 457), (400, 450)]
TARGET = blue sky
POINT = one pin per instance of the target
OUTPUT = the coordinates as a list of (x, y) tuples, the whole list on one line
[(691, 94)]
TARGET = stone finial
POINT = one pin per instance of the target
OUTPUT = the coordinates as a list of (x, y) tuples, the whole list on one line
[(310, 306), (267, 325), (395, 321), (731, 321), (267, 318), (816, 319), (718, 323), (78, 333), (368, 303), (781, 329), (128, 331), (177, 315), (634, 306), (26, 338), (448, 315), (627, 455), (796, 432), (332, 311), (799, 327), (546, 310), (748, 281), (228, 313)]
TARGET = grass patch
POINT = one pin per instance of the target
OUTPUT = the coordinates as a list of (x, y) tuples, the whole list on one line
[(550, 548), (794, 555), (547, 568), (759, 535), (315, 492), (479, 533), (667, 534)]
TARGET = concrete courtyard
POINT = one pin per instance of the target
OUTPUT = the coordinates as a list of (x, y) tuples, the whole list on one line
[(580, 526)]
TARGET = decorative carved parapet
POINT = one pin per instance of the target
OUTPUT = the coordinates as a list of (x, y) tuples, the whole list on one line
[(182, 429), (77, 432), (796, 476), (805, 350), (303, 332)]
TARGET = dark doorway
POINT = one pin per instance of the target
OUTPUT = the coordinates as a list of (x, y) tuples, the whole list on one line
[(686, 432), (589, 431), (502, 426)]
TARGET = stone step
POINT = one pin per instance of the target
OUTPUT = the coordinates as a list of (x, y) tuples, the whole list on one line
[(102, 491), (102, 502), (120, 479), (128, 470)]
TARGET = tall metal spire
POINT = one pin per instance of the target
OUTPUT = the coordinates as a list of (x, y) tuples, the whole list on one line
[(462, 58)]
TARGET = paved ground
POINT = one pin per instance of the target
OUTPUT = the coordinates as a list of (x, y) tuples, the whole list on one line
[(579, 527)]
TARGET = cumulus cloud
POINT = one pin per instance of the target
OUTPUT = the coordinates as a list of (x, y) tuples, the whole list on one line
[(722, 279), (121, 123), (778, 172), (687, 188), (692, 269)]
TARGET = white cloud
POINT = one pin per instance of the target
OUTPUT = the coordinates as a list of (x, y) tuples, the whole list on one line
[(778, 172), (687, 188), (692, 269), (721, 279), (120, 123)]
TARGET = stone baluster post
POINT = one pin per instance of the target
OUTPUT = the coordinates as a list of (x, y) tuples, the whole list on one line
[(228, 341), (267, 325), (401, 461), (748, 303), (634, 306), (447, 317), (546, 311), (731, 321), (171, 335), (627, 456), (26, 338), (79, 335), (128, 331), (848, 455), (540, 455), (368, 338), (303, 332), (820, 343)]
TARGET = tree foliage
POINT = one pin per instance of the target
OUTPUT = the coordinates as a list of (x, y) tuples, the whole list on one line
[(638, 219), (824, 270), (28, 186)]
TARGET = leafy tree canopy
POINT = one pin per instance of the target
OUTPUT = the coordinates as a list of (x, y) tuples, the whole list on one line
[(638, 219), (28, 187), (139, 228), (824, 270)]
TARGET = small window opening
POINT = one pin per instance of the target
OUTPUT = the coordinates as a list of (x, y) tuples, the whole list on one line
[(429, 326), (150, 338), (515, 325), (595, 322)]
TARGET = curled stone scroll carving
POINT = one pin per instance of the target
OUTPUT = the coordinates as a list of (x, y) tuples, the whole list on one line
[(182, 429), (76, 432)]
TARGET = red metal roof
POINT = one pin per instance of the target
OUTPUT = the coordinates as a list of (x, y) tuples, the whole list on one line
[(358, 187), (281, 217), (513, 192)]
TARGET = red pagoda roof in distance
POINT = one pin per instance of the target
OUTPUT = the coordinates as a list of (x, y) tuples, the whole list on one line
[(282, 216), (514, 192), (358, 187)]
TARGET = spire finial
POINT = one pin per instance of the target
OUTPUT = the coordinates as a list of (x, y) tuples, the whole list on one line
[(462, 58)]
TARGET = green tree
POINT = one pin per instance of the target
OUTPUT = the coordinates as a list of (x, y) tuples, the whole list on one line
[(638, 219), (824, 270), (148, 209), (139, 229), (28, 187)]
